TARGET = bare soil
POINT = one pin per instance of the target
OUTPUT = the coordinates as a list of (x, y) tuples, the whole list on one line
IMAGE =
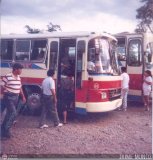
[(112, 133)]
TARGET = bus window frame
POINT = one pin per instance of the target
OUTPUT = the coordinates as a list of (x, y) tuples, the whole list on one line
[(45, 54), (30, 50), (140, 61), (148, 62), (15, 50), (57, 53), (80, 51), (13, 46)]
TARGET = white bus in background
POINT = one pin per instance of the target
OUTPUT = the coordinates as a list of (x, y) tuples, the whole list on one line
[(135, 51), (94, 91)]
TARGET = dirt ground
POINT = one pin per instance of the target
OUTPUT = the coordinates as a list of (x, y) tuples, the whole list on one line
[(110, 133)]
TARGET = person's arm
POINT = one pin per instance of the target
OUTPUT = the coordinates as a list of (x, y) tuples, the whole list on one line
[(54, 95), (147, 82), (3, 82), (22, 95)]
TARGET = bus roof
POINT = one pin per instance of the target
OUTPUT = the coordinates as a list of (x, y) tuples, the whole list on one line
[(59, 35)]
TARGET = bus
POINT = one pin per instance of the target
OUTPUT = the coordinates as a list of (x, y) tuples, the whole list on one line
[(95, 90), (135, 51)]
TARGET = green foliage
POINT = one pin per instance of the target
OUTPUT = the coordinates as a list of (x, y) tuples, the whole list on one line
[(145, 14)]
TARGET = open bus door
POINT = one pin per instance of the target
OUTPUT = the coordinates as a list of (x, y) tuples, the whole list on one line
[(80, 95), (135, 67), (66, 68)]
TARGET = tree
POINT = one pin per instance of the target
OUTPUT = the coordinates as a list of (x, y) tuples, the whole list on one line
[(31, 30), (145, 15)]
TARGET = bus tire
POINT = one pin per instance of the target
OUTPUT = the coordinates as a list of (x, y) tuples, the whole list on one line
[(33, 102)]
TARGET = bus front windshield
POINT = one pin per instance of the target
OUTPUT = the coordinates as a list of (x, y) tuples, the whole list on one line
[(101, 58)]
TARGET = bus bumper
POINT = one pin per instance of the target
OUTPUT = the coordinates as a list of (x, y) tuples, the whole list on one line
[(104, 106)]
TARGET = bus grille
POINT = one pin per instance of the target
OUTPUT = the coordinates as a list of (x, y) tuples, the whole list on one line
[(114, 94)]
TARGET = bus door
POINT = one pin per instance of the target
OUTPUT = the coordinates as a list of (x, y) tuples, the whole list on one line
[(135, 67), (53, 56), (66, 74), (80, 93)]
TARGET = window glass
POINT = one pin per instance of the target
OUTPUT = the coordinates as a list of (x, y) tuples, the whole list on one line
[(121, 50), (114, 58), (80, 52), (149, 55), (22, 50), (135, 52), (53, 54), (121, 53), (38, 50), (6, 52), (98, 56)]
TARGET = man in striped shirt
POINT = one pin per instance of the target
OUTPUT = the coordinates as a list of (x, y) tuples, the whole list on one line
[(11, 89)]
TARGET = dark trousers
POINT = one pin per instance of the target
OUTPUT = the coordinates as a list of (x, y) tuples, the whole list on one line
[(10, 101), (48, 106)]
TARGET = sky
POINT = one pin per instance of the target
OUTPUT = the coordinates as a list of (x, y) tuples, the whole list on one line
[(112, 16)]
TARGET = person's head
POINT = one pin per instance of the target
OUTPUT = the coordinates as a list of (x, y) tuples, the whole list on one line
[(50, 72), (17, 68), (123, 69), (147, 73)]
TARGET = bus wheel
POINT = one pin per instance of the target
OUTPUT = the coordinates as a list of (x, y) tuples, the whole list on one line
[(33, 102)]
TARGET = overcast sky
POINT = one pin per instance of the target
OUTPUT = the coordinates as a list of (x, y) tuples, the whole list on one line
[(112, 16)]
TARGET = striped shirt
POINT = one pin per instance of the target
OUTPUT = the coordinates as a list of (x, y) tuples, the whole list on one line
[(12, 83)]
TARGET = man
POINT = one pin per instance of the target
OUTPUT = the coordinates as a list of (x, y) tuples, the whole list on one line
[(125, 88), (49, 100), (11, 89)]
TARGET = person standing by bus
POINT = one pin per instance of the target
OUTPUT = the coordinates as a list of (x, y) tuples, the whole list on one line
[(124, 88), (147, 83), (67, 89), (11, 88), (49, 100)]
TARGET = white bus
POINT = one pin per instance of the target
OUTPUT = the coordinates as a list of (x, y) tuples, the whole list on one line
[(96, 90), (135, 51)]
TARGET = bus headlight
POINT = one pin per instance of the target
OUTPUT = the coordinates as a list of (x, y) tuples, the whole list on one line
[(103, 95)]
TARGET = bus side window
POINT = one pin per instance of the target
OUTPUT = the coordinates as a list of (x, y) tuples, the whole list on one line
[(6, 52), (22, 50), (53, 54), (38, 50), (149, 55), (80, 51), (135, 52)]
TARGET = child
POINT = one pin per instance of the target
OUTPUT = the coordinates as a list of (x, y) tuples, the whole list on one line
[(147, 82)]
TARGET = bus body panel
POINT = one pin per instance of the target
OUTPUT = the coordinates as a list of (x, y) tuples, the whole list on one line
[(136, 71), (94, 93)]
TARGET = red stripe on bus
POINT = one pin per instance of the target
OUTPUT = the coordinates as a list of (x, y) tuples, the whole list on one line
[(89, 91), (30, 80), (135, 81)]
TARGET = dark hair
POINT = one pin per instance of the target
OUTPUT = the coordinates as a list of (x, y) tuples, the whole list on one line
[(50, 72), (17, 66), (149, 73), (123, 69)]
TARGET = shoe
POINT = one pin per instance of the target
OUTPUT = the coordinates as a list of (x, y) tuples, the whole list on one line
[(124, 109), (146, 109), (14, 122), (44, 126), (59, 125), (119, 109)]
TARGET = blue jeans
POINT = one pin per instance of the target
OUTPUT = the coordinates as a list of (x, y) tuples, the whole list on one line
[(10, 100)]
